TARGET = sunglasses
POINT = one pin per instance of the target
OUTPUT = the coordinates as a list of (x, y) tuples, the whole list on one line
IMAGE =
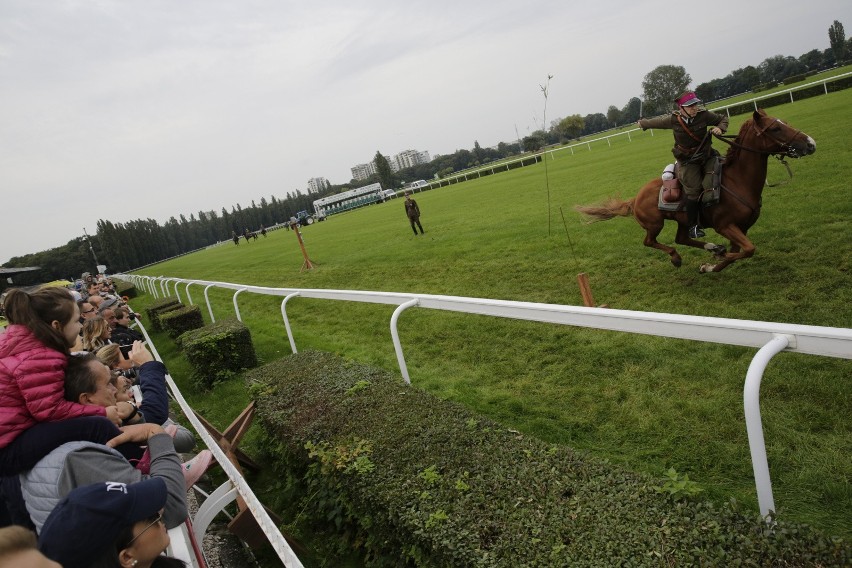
[(156, 519)]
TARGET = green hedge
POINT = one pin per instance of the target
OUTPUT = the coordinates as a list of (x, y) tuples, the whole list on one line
[(218, 352), (181, 320), (161, 306), (123, 288), (413, 480)]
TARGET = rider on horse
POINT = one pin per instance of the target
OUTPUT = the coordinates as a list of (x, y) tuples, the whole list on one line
[(692, 149)]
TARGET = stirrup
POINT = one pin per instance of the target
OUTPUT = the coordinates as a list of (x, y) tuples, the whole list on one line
[(695, 232)]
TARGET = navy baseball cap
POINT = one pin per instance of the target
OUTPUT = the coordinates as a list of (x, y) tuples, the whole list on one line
[(89, 519)]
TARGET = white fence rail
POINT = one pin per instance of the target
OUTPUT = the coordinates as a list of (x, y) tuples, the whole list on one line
[(222, 496), (769, 338), (506, 165)]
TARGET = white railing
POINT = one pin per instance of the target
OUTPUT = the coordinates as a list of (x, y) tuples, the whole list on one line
[(770, 338), (789, 92), (182, 542), (505, 165)]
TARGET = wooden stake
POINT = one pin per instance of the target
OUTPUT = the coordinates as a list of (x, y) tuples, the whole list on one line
[(586, 290), (307, 265)]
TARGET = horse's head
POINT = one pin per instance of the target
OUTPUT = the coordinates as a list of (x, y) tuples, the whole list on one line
[(775, 137)]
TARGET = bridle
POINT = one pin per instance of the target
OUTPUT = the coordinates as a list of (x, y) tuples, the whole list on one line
[(786, 150)]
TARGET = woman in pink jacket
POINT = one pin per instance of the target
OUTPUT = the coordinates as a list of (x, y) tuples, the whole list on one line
[(34, 417)]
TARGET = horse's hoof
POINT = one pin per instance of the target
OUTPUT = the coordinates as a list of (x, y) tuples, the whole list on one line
[(677, 261), (718, 250), (706, 268)]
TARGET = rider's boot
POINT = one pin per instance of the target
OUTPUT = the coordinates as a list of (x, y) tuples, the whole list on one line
[(695, 231)]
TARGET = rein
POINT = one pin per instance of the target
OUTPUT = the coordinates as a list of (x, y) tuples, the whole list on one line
[(786, 150)]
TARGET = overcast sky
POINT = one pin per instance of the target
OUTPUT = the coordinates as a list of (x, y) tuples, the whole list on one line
[(134, 109)]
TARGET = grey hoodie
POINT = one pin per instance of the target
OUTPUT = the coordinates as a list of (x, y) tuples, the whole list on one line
[(75, 464)]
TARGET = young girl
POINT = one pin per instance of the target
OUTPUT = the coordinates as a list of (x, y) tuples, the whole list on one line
[(34, 417)]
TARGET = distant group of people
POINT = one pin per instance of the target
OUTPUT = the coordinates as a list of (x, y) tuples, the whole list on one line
[(88, 455), (248, 234)]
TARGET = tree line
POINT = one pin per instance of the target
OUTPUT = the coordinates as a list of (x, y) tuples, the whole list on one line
[(124, 246)]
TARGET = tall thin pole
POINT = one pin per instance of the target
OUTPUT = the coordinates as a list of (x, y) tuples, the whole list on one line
[(92, 250)]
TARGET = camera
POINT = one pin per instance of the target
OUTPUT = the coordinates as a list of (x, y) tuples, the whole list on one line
[(130, 373)]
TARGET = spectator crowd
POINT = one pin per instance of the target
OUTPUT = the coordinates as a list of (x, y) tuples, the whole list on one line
[(90, 465)]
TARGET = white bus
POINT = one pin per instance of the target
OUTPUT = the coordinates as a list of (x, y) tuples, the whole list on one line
[(350, 199)]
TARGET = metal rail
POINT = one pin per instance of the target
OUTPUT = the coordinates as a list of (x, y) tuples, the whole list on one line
[(770, 338)]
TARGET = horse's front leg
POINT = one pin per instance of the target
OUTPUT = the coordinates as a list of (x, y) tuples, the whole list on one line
[(741, 247)]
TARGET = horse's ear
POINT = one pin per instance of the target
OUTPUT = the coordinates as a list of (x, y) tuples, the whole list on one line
[(758, 113)]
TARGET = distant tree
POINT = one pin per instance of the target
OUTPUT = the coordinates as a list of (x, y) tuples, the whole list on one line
[(594, 123), (837, 41), (571, 126), (743, 80), (707, 91), (662, 86), (630, 112), (828, 60), (478, 152), (534, 142), (779, 67), (812, 60), (613, 115), (384, 171)]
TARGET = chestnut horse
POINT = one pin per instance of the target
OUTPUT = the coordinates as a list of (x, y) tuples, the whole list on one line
[(743, 178)]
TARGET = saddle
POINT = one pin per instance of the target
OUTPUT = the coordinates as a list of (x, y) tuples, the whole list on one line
[(673, 198)]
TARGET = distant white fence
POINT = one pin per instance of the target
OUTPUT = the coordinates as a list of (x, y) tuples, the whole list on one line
[(769, 338), (506, 165)]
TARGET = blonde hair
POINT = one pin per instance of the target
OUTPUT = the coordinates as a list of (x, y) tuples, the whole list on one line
[(93, 329), (109, 355), (15, 539)]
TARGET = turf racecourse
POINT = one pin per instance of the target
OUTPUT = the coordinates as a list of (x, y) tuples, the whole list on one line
[(650, 403)]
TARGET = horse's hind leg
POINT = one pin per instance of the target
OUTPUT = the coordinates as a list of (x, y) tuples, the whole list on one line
[(682, 238), (651, 234)]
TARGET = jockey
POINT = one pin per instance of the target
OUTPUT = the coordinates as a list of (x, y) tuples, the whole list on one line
[(692, 149)]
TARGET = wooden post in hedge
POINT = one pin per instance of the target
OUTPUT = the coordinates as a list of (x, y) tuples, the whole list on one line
[(243, 525)]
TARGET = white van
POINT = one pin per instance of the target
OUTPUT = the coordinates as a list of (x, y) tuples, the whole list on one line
[(417, 184)]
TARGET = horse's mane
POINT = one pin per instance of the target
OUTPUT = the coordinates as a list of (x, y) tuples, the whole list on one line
[(734, 149)]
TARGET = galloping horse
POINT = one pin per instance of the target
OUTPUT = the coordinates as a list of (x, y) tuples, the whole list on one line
[(743, 178)]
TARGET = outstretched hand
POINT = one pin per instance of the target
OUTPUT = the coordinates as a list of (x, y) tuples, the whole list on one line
[(139, 354), (138, 433)]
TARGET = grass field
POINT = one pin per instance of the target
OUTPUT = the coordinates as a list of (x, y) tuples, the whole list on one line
[(646, 402)]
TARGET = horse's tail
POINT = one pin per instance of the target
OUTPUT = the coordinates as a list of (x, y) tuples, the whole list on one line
[(612, 207)]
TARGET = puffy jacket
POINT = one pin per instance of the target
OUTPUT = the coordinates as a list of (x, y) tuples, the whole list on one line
[(32, 385), (75, 464)]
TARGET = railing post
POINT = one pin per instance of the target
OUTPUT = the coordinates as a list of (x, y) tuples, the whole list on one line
[(287, 321), (163, 287), (754, 426), (236, 307), (188, 297), (177, 294), (400, 358), (209, 307)]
